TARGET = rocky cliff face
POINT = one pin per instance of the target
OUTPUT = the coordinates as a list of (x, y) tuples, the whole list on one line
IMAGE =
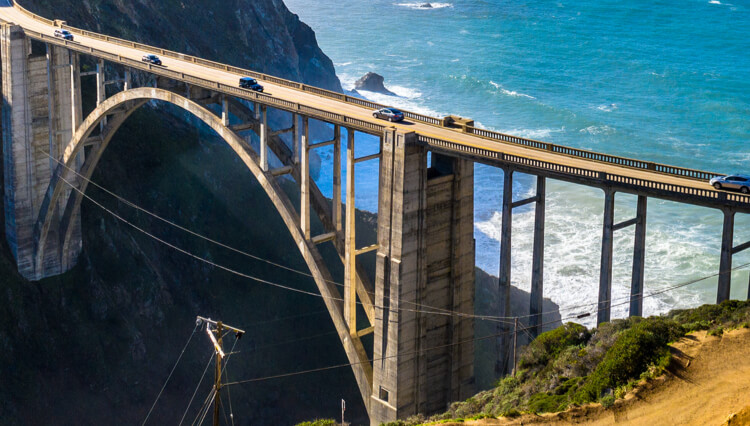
[(262, 35), (94, 346)]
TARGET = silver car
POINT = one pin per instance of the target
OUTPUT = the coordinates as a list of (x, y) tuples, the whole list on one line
[(738, 182)]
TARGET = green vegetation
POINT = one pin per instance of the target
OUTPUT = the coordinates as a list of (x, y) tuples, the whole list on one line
[(572, 365), (319, 422)]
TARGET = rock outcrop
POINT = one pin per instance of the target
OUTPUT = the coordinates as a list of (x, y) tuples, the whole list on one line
[(372, 82), (262, 35)]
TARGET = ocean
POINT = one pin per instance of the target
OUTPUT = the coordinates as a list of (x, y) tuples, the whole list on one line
[(663, 81)]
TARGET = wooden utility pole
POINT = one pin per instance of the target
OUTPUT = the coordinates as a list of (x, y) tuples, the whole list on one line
[(216, 336)]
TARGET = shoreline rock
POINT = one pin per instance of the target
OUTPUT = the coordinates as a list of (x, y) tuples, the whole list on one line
[(372, 82)]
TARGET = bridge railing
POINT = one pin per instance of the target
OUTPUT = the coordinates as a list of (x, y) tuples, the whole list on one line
[(707, 194), (442, 122)]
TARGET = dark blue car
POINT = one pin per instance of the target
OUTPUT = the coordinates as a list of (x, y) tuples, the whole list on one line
[(250, 83), (153, 59)]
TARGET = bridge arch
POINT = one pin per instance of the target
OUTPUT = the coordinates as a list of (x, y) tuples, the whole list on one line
[(122, 105)]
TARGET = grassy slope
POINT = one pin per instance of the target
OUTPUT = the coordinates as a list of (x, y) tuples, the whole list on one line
[(572, 365)]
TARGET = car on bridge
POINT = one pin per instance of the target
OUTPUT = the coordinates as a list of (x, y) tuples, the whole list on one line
[(250, 83), (737, 181), (152, 59), (64, 34), (390, 114)]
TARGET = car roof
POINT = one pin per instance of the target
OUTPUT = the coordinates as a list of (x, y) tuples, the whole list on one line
[(247, 79), (393, 110)]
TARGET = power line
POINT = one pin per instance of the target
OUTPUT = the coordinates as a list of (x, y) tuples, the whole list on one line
[(257, 279), (441, 311), (196, 388), (170, 376)]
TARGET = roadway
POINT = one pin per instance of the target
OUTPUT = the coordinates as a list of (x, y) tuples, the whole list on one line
[(12, 14)]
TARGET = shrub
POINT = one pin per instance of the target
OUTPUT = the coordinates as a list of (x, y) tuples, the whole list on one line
[(631, 354), (548, 345), (319, 422), (608, 401)]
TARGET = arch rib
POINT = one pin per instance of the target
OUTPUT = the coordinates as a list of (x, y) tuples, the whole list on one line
[(133, 99)]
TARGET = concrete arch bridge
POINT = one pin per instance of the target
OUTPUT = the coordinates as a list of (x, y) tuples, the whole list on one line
[(425, 247)]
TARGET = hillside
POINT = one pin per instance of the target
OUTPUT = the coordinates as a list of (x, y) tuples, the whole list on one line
[(707, 385), (631, 369)]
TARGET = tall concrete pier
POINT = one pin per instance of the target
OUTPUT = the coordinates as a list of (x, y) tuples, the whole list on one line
[(420, 308), (426, 258)]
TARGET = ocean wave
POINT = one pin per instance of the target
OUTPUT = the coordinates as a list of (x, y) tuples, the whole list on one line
[(511, 93), (607, 108), (537, 134), (423, 5), (343, 64), (598, 130)]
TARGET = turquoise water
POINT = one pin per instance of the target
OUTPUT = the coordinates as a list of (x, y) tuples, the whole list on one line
[(665, 81)]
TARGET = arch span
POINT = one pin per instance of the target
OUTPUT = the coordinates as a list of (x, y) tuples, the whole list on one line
[(120, 106)]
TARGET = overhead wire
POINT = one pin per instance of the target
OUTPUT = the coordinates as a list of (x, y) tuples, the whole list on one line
[(501, 319), (196, 388), (255, 278), (170, 375), (434, 309)]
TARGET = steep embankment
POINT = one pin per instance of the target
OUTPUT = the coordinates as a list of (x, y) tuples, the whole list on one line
[(708, 385)]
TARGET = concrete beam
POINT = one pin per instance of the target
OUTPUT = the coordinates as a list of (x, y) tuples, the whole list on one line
[(725, 264), (264, 138), (741, 247), (350, 296), (336, 198), (304, 180), (537, 263), (639, 259), (502, 366), (605, 273)]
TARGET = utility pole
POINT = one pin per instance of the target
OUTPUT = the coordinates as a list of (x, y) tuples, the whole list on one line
[(216, 336)]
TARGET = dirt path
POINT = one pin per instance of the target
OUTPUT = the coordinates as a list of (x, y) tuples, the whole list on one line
[(710, 385)]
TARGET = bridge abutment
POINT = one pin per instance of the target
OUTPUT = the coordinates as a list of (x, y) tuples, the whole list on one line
[(425, 262), (41, 108)]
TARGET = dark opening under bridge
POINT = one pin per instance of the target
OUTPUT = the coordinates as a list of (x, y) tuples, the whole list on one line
[(425, 246)]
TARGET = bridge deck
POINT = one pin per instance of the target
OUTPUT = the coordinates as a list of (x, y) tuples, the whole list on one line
[(564, 163)]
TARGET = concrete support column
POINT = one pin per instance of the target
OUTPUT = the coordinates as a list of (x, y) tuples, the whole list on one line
[(75, 92), (305, 183), (336, 206), (725, 264), (639, 259), (350, 264), (224, 110), (264, 138), (502, 365), (605, 274), (128, 84), (537, 263), (295, 137), (400, 276)]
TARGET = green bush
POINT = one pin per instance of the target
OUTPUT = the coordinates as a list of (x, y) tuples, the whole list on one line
[(548, 345), (631, 354), (608, 401), (319, 422)]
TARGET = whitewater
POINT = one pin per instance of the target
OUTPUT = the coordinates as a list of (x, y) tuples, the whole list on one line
[(666, 82)]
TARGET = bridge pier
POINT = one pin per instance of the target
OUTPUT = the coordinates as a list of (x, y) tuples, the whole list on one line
[(639, 259), (537, 269), (605, 273), (725, 263), (426, 257), (502, 366), (41, 110)]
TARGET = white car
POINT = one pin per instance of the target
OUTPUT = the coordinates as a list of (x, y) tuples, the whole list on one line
[(64, 34)]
